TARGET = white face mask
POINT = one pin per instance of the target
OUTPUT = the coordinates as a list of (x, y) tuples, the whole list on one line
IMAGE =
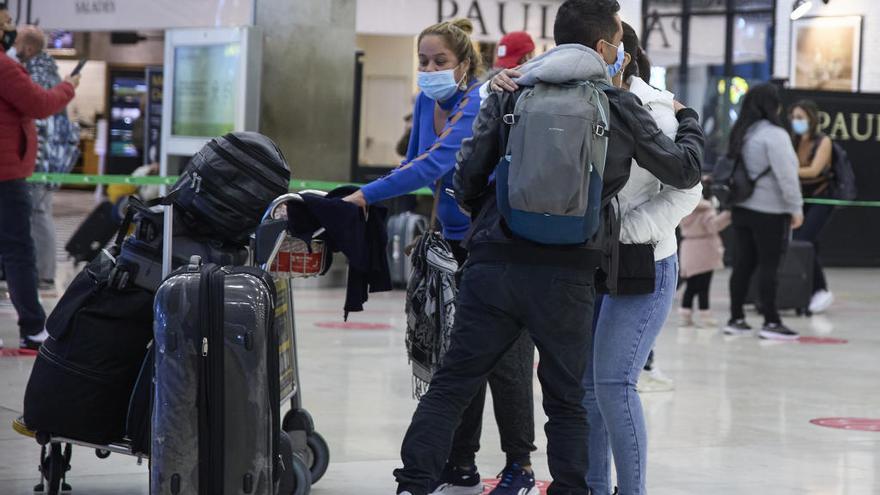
[(12, 53)]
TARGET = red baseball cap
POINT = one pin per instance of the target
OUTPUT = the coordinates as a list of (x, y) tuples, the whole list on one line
[(512, 48)]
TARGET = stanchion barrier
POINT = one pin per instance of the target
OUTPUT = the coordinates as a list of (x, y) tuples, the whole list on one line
[(153, 180), (296, 185)]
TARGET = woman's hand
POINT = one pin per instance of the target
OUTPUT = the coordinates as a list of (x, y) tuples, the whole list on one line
[(503, 81), (357, 198)]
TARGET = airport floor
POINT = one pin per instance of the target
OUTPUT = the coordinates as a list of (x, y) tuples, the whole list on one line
[(738, 421)]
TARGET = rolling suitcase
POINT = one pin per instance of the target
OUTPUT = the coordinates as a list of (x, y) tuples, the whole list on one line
[(215, 420), (403, 229), (795, 279), (93, 234)]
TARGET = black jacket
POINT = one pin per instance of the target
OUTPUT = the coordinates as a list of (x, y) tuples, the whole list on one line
[(633, 135)]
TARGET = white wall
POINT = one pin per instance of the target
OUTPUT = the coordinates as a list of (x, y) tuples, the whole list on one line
[(870, 9)]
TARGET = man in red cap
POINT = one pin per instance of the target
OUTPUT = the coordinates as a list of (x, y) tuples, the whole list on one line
[(514, 49)]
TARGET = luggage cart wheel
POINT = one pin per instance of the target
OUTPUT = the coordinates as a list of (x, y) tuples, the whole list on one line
[(303, 479), (298, 420), (53, 468), (317, 456), (102, 454)]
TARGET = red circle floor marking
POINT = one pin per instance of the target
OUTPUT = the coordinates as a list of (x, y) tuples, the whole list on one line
[(17, 352), (821, 340), (490, 484), (857, 424), (351, 325)]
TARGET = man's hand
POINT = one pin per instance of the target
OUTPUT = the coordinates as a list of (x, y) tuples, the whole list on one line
[(503, 81), (797, 220), (677, 106), (73, 80)]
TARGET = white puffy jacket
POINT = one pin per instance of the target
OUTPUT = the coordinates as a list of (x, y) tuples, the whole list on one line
[(651, 211)]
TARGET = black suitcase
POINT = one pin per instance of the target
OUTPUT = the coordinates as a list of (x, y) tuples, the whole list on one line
[(93, 234), (216, 427), (795, 279), (403, 229)]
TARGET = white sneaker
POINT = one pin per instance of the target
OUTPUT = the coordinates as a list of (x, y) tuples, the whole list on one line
[(821, 301), (707, 320), (687, 317), (654, 381)]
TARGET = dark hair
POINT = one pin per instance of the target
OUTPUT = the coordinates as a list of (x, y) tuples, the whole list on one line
[(812, 110), (639, 65), (760, 103), (585, 22)]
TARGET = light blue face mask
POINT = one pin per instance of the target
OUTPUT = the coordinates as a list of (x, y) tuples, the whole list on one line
[(438, 86), (614, 68), (800, 126)]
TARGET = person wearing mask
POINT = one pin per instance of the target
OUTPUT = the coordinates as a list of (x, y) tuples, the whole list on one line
[(22, 101), (30, 50), (814, 151), (512, 285), (762, 224), (514, 49), (449, 66), (627, 324)]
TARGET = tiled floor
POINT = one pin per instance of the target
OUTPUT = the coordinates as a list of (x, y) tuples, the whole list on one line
[(738, 421)]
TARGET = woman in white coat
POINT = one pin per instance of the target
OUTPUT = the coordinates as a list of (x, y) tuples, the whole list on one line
[(626, 326)]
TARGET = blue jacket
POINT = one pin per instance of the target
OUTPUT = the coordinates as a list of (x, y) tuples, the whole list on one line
[(430, 157)]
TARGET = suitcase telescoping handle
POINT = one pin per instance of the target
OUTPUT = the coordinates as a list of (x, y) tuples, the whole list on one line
[(167, 239)]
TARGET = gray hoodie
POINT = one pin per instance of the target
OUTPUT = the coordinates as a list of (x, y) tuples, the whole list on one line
[(767, 145), (565, 63)]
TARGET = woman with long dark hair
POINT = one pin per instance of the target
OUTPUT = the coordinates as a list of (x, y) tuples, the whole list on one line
[(762, 224), (814, 151)]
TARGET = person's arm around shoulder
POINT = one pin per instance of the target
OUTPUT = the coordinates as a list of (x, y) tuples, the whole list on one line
[(784, 165), (676, 163), (31, 100), (821, 161)]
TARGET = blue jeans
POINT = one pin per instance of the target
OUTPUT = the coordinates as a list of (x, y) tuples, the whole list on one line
[(625, 330), (19, 258)]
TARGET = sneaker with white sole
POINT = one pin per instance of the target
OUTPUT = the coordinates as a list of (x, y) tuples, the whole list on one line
[(686, 317), (737, 327), (777, 331), (821, 301), (654, 381), (707, 320), (459, 481), (515, 480), (33, 342)]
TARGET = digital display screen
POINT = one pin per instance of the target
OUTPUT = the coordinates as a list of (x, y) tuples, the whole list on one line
[(127, 96), (59, 40), (205, 82)]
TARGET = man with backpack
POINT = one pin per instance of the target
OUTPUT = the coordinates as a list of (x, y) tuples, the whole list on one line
[(57, 150), (561, 148)]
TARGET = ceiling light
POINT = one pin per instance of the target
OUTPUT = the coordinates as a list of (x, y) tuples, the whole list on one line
[(799, 8)]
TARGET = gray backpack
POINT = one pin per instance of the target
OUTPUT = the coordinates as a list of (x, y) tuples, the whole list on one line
[(550, 181)]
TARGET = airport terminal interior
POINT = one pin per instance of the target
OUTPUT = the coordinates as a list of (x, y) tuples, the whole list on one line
[(292, 142)]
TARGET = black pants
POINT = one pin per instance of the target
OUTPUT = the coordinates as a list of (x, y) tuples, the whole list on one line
[(495, 302), (19, 256), (697, 286), (512, 397), (760, 240), (816, 217)]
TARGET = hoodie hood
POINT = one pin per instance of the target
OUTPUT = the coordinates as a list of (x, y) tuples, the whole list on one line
[(564, 64)]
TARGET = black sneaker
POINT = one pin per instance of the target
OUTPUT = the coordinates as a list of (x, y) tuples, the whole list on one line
[(33, 342), (737, 327), (777, 331), (458, 481)]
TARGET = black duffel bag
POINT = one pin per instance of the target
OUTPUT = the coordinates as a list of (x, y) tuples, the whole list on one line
[(84, 373), (225, 189)]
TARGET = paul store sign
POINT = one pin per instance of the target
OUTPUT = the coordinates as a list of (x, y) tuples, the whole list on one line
[(492, 18)]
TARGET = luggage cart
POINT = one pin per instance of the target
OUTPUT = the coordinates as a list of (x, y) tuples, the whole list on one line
[(286, 258)]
